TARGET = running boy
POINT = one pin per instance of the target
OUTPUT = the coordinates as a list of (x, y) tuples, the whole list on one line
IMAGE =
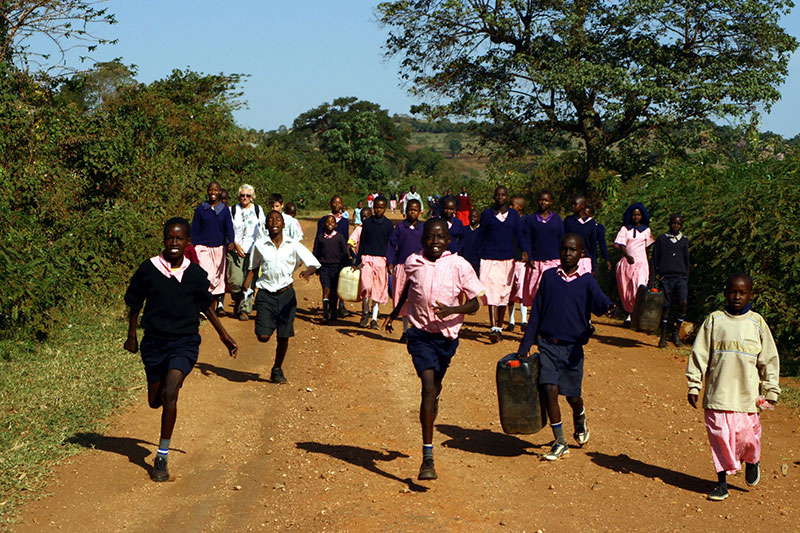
[(371, 258), (560, 319), (175, 291), (436, 281), (671, 264), (331, 249), (736, 354), (275, 302)]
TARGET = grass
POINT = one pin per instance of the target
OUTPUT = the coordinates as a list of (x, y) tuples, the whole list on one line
[(52, 391)]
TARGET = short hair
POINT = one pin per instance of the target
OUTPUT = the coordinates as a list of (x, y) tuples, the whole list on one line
[(673, 216), (247, 186), (436, 222), (501, 187), (290, 206), (179, 221), (414, 201), (590, 208), (578, 239), (379, 198), (365, 211), (276, 197), (517, 197), (739, 275), (452, 199), (276, 211), (214, 183), (544, 191)]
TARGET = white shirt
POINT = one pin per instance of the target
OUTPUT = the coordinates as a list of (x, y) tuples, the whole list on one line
[(278, 263), (411, 196), (291, 228), (246, 226)]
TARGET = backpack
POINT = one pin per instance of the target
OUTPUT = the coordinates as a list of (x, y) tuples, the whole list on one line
[(258, 211)]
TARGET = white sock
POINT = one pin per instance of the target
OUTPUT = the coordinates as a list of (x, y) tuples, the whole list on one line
[(375, 308), (524, 312), (511, 313)]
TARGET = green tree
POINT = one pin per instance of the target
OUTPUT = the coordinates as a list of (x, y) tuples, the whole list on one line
[(600, 70), (455, 146)]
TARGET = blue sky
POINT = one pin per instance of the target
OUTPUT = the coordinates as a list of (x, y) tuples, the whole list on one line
[(298, 53)]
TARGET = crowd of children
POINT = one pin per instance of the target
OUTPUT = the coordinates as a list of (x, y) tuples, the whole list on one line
[(437, 273)]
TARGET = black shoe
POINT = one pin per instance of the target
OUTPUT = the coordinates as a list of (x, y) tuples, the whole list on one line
[(244, 317), (627, 322), (662, 342), (494, 336), (719, 493), (343, 312), (510, 328), (404, 338), (373, 324), (220, 311), (523, 327), (364, 320), (159, 472), (326, 312), (752, 474), (676, 338), (426, 470), (276, 376)]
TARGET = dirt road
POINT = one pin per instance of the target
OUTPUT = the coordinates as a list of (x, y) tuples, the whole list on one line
[(338, 448)]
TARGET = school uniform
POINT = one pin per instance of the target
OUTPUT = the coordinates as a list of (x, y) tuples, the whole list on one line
[(671, 262), (375, 234), (275, 302), (172, 301), (737, 356), (357, 216), (599, 241), (585, 227), (560, 319), (456, 229), (248, 224), (432, 341), (498, 233), (469, 247), (331, 253), (464, 207), (212, 231), (406, 239), (543, 235)]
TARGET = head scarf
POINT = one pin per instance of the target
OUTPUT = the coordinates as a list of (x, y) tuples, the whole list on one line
[(643, 224)]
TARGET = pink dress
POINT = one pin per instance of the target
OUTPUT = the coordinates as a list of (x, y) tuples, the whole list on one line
[(630, 277)]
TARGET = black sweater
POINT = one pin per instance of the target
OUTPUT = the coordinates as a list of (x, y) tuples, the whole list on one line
[(331, 251), (671, 259), (171, 309)]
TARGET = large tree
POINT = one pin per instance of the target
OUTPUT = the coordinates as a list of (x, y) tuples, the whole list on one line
[(600, 70)]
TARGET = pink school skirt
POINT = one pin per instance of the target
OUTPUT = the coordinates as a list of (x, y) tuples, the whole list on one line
[(374, 279), (497, 275), (399, 283), (629, 277), (518, 283), (213, 262), (533, 277), (393, 205), (734, 437)]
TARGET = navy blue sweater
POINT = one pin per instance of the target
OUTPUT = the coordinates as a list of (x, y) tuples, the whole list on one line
[(469, 246), (544, 238), (496, 239), (561, 310), (671, 259), (375, 234), (456, 234)]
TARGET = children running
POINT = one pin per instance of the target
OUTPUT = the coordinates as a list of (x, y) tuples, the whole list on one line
[(736, 354), (331, 251), (277, 255), (560, 320), (175, 291), (671, 265), (633, 270), (371, 258), (436, 282)]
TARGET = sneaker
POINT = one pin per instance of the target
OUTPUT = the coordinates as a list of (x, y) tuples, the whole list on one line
[(627, 322), (159, 472), (510, 327), (276, 376), (558, 450), (364, 320), (582, 437), (373, 324), (752, 474), (244, 317), (676, 338), (719, 493), (426, 470)]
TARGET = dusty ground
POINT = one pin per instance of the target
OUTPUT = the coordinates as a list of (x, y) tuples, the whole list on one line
[(338, 448)]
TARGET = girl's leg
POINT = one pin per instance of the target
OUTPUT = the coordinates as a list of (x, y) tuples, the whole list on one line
[(326, 304), (501, 315), (492, 316)]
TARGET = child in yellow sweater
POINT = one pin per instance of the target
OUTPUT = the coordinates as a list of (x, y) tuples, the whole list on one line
[(737, 356)]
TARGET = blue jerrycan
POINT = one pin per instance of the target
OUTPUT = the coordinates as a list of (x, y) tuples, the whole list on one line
[(522, 409)]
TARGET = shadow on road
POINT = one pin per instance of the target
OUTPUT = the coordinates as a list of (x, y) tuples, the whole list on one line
[(126, 446), (362, 457), (626, 465), (364, 332), (621, 342), (484, 441), (236, 376)]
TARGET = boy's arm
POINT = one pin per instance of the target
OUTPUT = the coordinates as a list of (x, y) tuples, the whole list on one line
[(529, 338), (698, 360), (768, 365), (131, 343), (226, 339), (657, 255), (601, 304), (308, 259)]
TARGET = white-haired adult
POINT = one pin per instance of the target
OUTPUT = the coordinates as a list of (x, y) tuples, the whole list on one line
[(248, 221)]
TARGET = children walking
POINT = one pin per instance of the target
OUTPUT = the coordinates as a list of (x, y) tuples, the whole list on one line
[(542, 231), (212, 232), (518, 204), (406, 239), (436, 282), (277, 256), (633, 270), (371, 258), (331, 251), (500, 229), (671, 265), (175, 291), (560, 320), (735, 352)]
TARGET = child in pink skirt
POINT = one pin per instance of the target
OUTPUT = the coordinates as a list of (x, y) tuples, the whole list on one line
[(371, 258), (633, 270), (543, 231), (518, 204), (736, 353)]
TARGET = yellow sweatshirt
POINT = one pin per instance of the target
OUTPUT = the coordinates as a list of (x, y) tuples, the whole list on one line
[(738, 359)]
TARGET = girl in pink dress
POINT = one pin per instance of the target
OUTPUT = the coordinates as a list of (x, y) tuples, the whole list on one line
[(633, 270)]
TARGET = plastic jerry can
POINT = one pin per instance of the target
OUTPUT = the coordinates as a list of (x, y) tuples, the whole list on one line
[(348, 287), (522, 409), (647, 310)]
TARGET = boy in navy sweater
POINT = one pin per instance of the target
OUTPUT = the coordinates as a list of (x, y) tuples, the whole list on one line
[(560, 320), (671, 265)]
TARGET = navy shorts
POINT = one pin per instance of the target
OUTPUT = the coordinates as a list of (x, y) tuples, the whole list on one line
[(430, 350), (275, 311), (329, 276), (562, 365), (675, 290), (160, 356)]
